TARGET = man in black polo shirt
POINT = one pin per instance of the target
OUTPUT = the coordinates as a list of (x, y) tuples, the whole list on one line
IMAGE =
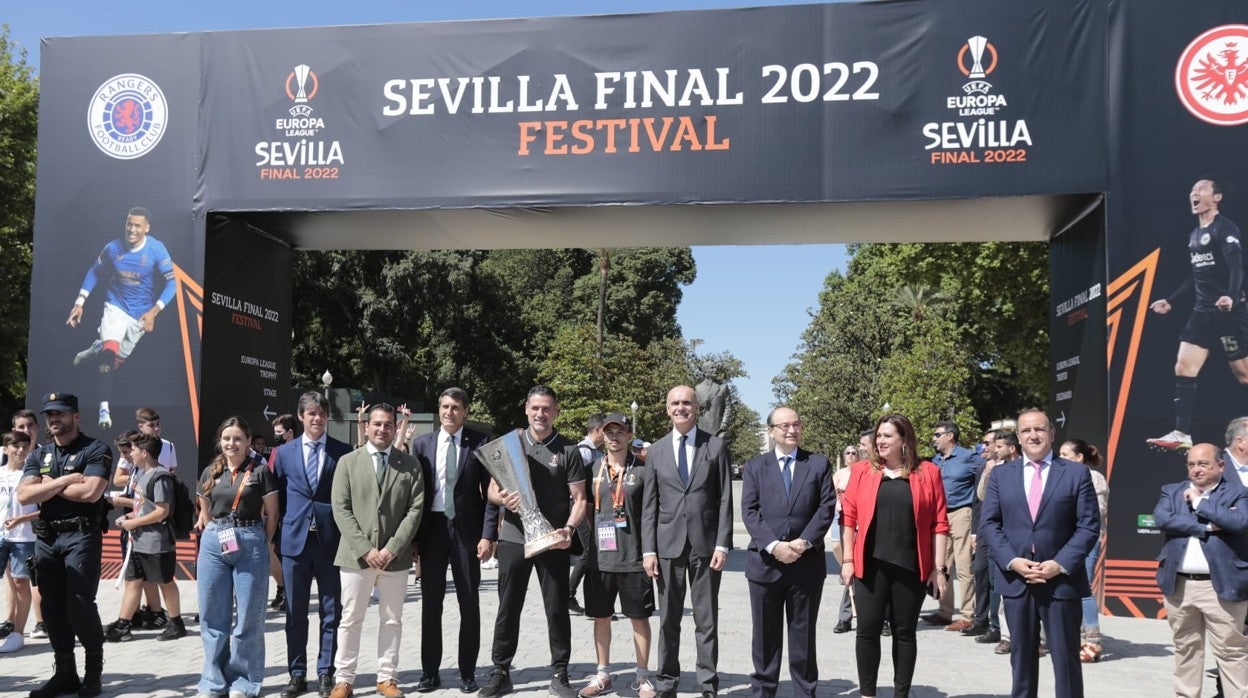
[(67, 477), (557, 475)]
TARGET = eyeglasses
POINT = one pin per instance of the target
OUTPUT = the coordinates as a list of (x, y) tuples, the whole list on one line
[(938, 434), (786, 426), (850, 452)]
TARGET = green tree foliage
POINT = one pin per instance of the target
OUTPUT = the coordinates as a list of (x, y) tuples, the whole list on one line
[(951, 331), (493, 322), (744, 441), (19, 107)]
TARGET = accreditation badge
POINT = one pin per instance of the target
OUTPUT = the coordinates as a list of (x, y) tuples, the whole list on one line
[(606, 536)]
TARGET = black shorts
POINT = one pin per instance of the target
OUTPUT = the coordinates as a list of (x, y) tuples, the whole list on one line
[(157, 568), (1215, 329), (635, 589)]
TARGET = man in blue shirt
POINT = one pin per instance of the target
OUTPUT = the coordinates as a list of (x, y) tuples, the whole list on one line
[(134, 266), (959, 469)]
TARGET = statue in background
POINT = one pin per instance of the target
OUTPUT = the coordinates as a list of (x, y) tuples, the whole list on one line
[(714, 400)]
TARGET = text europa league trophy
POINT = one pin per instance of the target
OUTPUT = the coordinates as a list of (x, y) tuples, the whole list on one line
[(505, 460)]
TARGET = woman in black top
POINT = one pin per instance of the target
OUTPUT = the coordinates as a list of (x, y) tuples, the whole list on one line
[(237, 515)]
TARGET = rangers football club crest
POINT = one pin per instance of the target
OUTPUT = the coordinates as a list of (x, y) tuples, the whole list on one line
[(127, 116)]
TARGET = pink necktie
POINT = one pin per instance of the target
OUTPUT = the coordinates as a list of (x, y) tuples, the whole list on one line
[(1036, 489)]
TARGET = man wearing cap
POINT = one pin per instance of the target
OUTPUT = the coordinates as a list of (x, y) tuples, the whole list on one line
[(614, 557), (67, 478)]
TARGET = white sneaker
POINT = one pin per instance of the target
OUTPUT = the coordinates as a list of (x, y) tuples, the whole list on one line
[(12, 643), (106, 420), (1174, 441), (40, 631), (87, 353), (490, 564)]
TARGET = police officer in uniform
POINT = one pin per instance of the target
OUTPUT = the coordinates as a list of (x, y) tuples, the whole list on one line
[(67, 477)]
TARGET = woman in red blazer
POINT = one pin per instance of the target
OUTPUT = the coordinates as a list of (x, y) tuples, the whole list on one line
[(894, 523)]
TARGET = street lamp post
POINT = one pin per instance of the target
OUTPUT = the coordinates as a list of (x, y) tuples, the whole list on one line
[(327, 379), (633, 407)]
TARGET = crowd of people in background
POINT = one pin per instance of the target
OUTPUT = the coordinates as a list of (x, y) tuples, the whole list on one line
[(1012, 524)]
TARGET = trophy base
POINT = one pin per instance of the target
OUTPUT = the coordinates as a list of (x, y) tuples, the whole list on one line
[(542, 543)]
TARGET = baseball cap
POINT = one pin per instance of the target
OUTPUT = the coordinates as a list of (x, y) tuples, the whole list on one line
[(59, 402), (637, 444), (615, 418)]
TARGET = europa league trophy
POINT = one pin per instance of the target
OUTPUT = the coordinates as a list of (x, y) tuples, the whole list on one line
[(505, 460)]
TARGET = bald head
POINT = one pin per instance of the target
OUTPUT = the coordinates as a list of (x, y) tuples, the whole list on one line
[(682, 408), (1204, 465)]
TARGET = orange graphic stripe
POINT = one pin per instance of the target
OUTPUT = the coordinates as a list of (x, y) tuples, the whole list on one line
[(1120, 291), (190, 293)]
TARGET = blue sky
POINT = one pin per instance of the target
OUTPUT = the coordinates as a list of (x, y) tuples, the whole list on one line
[(731, 307)]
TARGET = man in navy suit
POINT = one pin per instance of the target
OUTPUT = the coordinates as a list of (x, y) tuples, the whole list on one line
[(686, 535), (1040, 519), (305, 475), (787, 501), (453, 532), (1203, 571)]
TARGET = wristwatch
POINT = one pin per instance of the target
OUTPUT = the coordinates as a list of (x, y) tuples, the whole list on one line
[(943, 570)]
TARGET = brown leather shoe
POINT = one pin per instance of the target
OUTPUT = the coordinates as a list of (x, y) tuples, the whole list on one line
[(389, 689), (342, 690), (958, 625)]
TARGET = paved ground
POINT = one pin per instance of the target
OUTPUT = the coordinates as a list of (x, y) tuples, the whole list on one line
[(1137, 663)]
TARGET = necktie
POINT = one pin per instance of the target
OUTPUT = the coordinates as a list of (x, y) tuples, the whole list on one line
[(452, 469), (380, 459), (312, 464), (682, 461), (1036, 489), (787, 475)]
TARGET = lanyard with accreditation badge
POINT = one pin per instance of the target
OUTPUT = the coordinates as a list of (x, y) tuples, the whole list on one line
[(226, 536), (606, 528)]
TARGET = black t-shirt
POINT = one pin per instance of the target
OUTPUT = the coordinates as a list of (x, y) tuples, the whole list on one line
[(1216, 258), (553, 465), (91, 457), (255, 486), (892, 536), (627, 555)]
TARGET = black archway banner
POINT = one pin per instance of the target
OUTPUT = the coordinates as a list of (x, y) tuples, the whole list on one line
[(876, 101)]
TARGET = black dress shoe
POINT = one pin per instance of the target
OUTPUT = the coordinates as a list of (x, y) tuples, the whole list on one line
[(469, 685), (575, 608), (297, 686), (843, 627), (324, 685), (975, 630), (428, 682), (989, 638)]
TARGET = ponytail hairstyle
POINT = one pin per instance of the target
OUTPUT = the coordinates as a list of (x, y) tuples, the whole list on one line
[(217, 466), (1091, 457)]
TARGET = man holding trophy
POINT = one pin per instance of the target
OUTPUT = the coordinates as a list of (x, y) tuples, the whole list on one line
[(539, 478)]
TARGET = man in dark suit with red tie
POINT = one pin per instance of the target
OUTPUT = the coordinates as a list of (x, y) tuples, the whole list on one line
[(787, 501), (455, 532), (305, 474), (1041, 519)]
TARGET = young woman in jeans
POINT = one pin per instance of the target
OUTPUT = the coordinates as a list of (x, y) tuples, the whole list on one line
[(237, 515)]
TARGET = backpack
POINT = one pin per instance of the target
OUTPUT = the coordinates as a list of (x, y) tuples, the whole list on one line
[(182, 509)]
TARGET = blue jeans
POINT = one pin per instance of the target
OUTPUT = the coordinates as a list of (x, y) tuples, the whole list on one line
[(1091, 619), (233, 657)]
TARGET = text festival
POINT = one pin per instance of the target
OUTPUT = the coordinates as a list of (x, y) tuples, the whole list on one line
[(632, 89)]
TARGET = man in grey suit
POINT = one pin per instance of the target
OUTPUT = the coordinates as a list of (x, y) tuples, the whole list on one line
[(378, 498), (686, 535)]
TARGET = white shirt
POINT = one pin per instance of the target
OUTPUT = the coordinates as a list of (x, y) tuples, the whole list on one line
[(692, 437), (1194, 561), (304, 445), (439, 475), (10, 508)]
